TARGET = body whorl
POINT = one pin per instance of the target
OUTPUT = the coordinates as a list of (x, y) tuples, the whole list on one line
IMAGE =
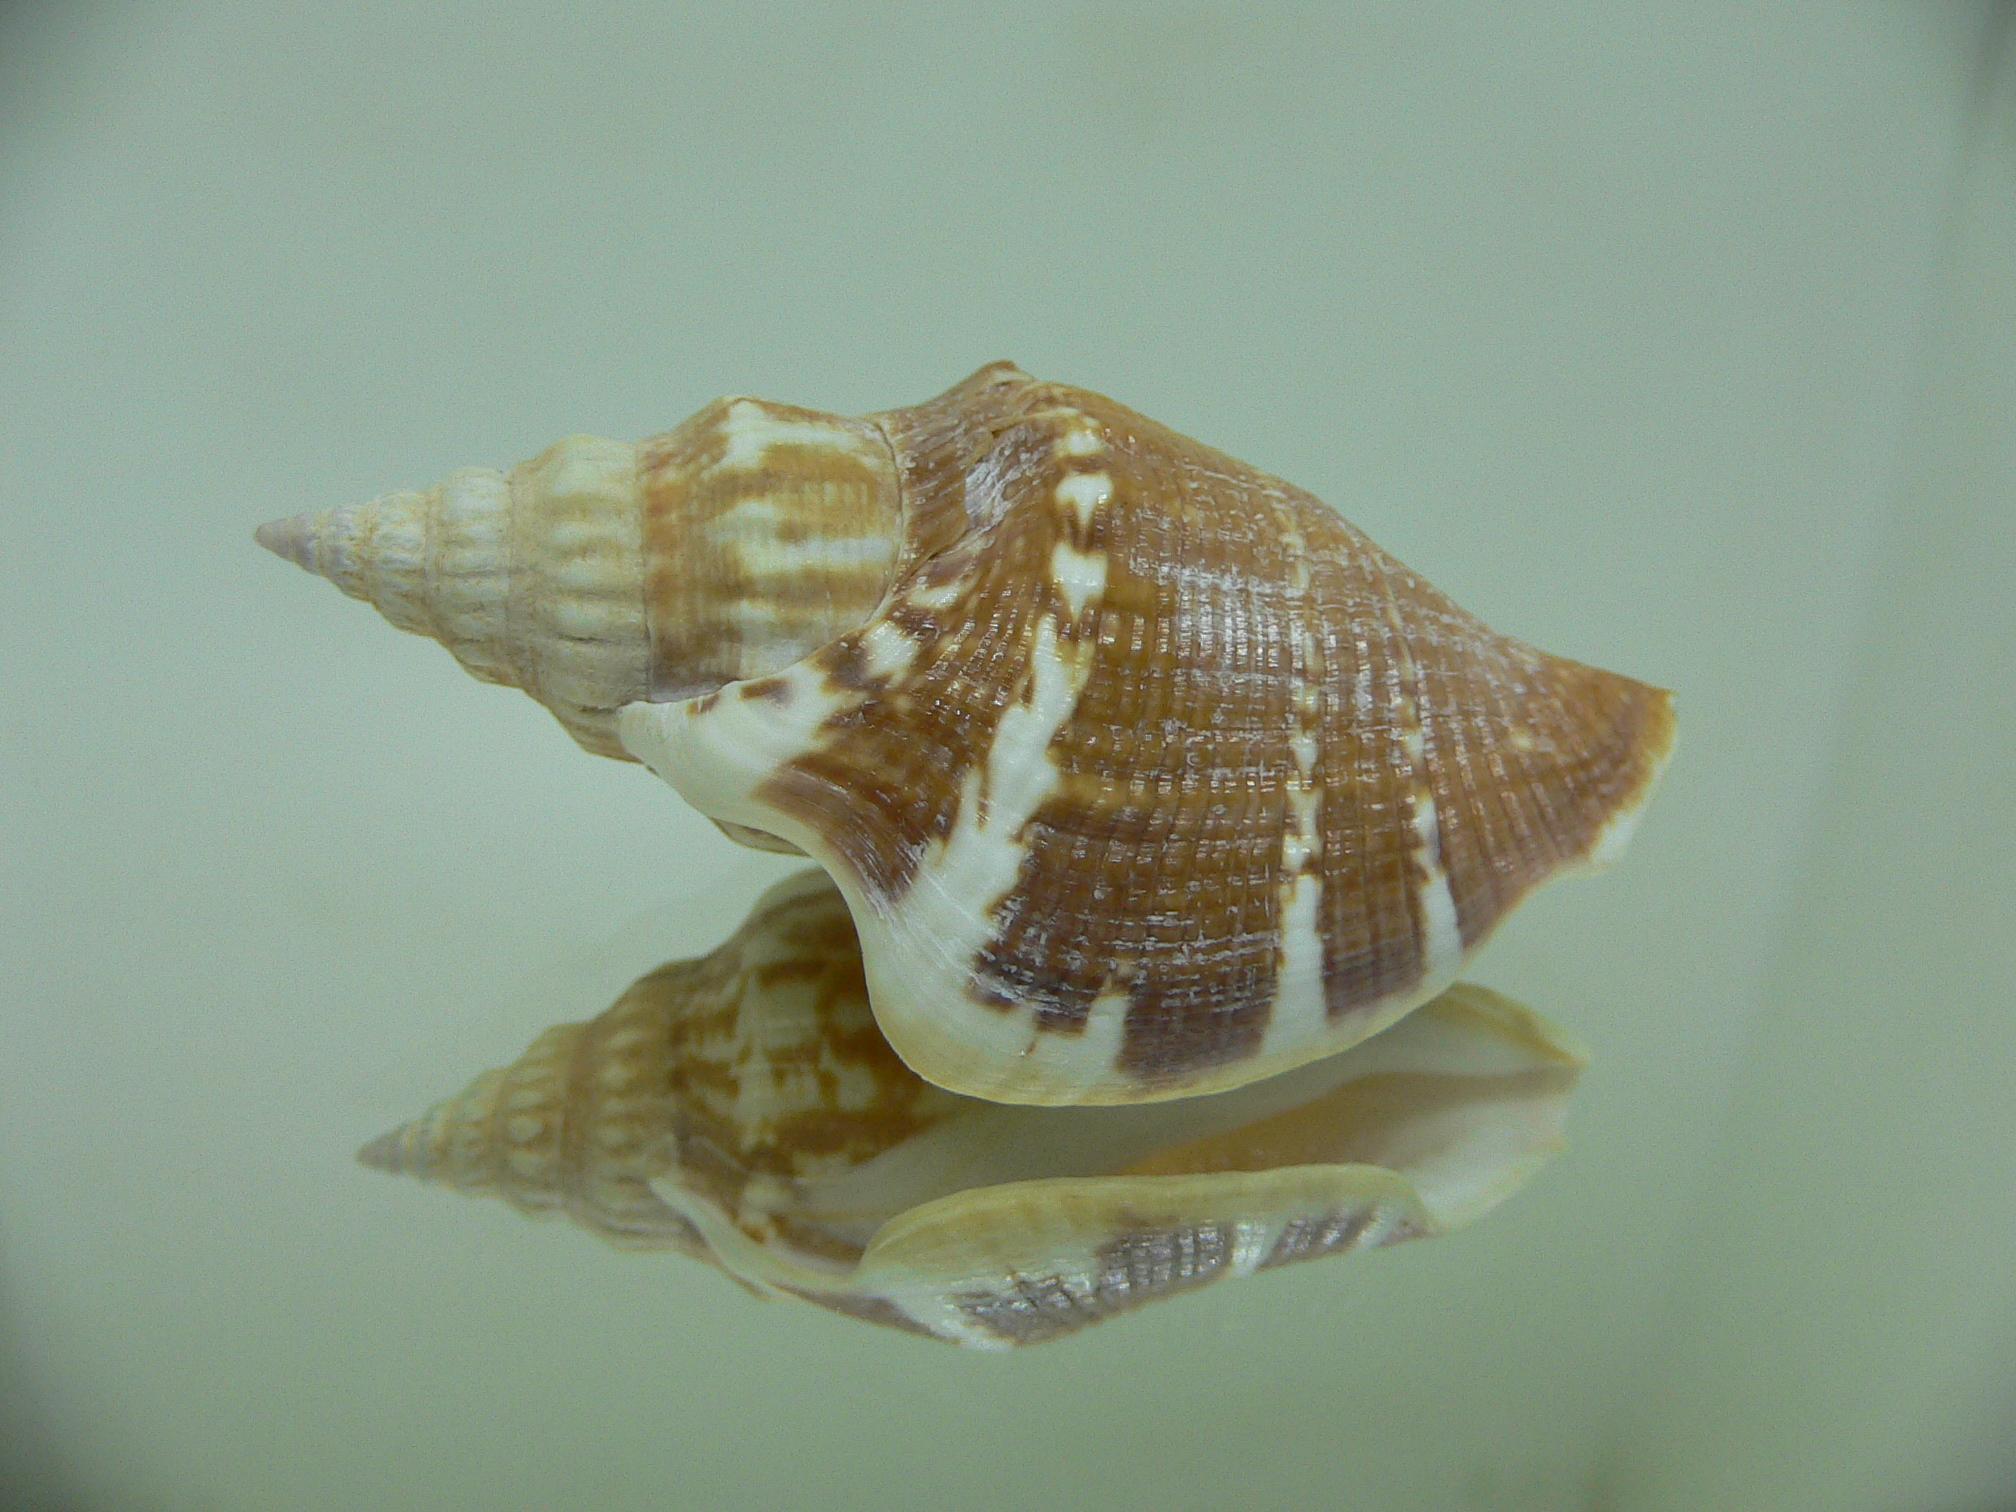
[(1151, 775)]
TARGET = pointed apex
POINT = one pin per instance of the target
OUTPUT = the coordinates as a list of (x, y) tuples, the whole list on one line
[(362, 549), (388, 1151), (537, 583), (292, 538)]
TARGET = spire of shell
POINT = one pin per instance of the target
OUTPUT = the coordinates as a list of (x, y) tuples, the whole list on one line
[(600, 574), (531, 578)]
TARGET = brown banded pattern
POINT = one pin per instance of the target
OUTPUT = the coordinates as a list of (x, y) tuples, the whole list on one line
[(1151, 775), (767, 529), (600, 574)]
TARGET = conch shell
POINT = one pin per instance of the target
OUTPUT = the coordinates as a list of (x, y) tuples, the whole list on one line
[(745, 1109), (1143, 774)]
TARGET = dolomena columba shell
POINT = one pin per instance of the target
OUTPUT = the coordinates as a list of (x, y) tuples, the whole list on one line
[(1142, 773), (745, 1109)]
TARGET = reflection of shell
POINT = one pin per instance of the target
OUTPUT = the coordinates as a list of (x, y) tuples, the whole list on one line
[(744, 1108), (1142, 772)]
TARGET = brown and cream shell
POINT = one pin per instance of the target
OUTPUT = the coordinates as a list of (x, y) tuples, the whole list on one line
[(1143, 774), (745, 1109)]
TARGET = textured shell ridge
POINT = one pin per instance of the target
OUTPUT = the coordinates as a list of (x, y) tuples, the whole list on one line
[(598, 573), (1312, 839)]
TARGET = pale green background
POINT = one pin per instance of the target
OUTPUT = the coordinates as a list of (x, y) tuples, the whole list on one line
[(1674, 338)]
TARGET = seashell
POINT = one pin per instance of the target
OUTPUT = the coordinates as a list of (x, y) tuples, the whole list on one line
[(744, 1108), (1143, 773)]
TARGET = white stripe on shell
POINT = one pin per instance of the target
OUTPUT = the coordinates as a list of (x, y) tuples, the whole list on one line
[(1080, 576), (947, 916), (767, 556), (752, 428), (1435, 903), (1299, 1019), (1441, 936), (1085, 494), (1080, 440)]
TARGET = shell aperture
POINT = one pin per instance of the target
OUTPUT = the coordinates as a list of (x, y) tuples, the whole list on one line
[(1143, 774)]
